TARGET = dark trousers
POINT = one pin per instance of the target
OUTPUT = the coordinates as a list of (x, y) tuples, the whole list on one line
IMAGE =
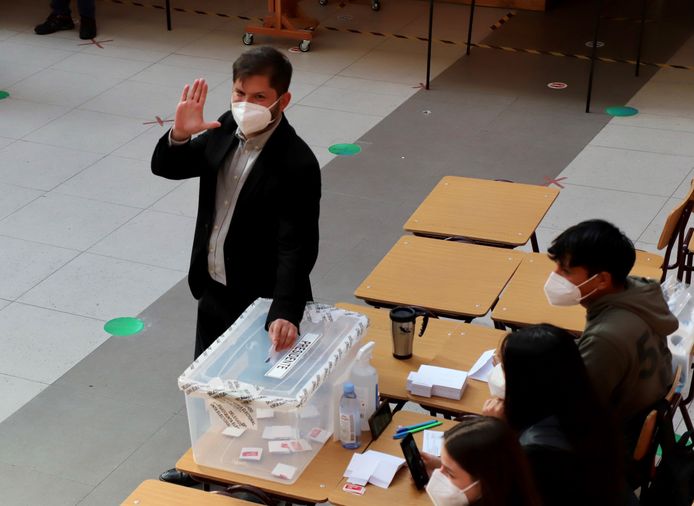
[(217, 310), (62, 8)]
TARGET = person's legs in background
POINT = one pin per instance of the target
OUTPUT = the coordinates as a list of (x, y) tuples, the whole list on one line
[(87, 19)]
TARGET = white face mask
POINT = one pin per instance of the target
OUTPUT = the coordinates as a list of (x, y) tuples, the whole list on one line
[(497, 382), (443, 492), (250, 117), (562, 292)]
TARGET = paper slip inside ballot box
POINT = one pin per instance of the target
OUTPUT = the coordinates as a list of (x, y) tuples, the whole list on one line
[(251, 454), (448, 383), (319, 435), (380, 468), (234, 431), (284, 471), (432, 442), (261, 413), (483, 367), (279, 432), (278, 447)]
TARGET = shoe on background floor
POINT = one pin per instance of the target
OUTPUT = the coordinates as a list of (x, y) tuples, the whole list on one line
[(54, 24), (87, 28), (178, 478)]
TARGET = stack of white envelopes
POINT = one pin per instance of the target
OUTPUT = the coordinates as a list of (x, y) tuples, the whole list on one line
[(435, 381)]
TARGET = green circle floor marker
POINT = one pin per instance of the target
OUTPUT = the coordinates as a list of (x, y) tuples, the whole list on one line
[(125, 326), (344, 149), (621, 110), (4, 94)]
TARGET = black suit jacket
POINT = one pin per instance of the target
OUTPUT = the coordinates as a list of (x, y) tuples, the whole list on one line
[(272, 242)]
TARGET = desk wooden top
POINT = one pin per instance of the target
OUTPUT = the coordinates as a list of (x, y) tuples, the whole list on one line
[(314, 484), (490, 211), (445, 343), (159, 493), (448, 278), (524, 302), (402, 491)]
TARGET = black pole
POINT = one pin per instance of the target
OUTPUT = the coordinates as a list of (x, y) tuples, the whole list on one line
[(469, 27), (643, 23), (593, 54), (431, 28), (168, 15)]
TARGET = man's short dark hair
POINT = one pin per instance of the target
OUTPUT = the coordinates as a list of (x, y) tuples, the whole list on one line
[(597, 246), (265, 61)]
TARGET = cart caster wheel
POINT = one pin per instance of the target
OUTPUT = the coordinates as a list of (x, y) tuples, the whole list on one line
[(376, 6), (305, 46), (323, 2), (248, 38)]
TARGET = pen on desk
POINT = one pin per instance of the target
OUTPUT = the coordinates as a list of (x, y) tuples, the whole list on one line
[(400, 435), (405, 428)]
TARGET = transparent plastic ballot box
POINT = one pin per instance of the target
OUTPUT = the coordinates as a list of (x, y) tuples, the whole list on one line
[(269, 419)]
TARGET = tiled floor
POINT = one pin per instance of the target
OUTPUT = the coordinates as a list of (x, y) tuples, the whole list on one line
[(88, 234)]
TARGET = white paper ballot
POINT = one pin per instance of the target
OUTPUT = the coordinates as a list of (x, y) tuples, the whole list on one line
[(436, 381), (234, 431), (388, 465), (483, 367), (279, 432), (261, 413), (360, 468), (433, 439), (284, 471)]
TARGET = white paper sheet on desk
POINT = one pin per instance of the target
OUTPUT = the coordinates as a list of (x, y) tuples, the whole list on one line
[(483, 367), (388, 465), (360, 469), (433, 439)]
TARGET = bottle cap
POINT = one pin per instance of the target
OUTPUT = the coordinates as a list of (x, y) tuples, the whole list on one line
[(348, 388)]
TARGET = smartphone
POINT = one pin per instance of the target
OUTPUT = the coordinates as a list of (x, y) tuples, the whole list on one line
[(380, 420), (414, 461)]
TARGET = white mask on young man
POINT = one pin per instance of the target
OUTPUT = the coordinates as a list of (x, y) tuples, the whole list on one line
[(251, 118), (497, 382), (443, 492), (562, 292)]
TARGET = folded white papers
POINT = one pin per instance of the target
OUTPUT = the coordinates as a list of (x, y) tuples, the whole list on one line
[(278, 447), (373, 467), (284, 471), (309, 411), (279, 432), (433, 439), (251, 453), (483, 367), (234, 431), (437, 381), (319, 435), (261, 413)]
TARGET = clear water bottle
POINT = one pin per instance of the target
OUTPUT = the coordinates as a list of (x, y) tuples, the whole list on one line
[(350, 423)]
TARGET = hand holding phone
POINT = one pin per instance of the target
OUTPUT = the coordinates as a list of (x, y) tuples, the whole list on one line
[(414, 461)]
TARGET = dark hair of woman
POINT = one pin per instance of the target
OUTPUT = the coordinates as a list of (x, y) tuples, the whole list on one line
[(489, 451), (545, 377)]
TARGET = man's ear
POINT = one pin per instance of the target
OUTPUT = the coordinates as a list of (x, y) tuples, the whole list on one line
[(604, 280), (284, 101)]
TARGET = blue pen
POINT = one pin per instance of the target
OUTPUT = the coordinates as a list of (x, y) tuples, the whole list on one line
[(415, 426), (400, 435)]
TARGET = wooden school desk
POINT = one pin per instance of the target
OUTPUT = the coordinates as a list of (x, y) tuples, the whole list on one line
[(494, 212), (313, 486), (160, 493), (402, 491), (445, 343), (448, 278), (524, 302)]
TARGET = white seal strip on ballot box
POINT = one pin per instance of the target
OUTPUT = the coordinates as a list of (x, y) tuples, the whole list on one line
[(236, 402)]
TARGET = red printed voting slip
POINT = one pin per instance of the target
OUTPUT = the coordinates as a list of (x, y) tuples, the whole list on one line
[(284, 471), (251, 453), (352, 488), (279, 447), (318, 435), (300, 445)]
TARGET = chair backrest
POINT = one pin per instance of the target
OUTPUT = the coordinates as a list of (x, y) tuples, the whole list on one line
[(675, 225)]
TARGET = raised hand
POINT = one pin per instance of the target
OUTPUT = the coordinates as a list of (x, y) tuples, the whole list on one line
[(189, 112)]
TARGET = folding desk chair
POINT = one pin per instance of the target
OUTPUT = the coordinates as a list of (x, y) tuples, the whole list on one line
[(676, 237)]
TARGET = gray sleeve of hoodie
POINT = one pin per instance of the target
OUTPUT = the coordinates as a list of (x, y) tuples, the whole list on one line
[(605, 364)]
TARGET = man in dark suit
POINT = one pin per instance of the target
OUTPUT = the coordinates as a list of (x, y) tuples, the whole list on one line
[(256, 233)]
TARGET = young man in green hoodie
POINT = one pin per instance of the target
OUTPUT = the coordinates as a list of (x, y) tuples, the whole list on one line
[(624, 344)]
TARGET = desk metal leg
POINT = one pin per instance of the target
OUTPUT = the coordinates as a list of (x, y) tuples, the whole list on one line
[(469, 27), (533, 242), (593, 53), (168, 15), (431, 29), (644, 6)]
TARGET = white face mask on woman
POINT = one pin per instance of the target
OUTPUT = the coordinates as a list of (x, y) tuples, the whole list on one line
[(562, 292), (443, 492), (250, 117), (497, 382)]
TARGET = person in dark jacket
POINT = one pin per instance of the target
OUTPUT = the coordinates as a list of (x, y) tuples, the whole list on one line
[(256, 233), (566, 433)]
